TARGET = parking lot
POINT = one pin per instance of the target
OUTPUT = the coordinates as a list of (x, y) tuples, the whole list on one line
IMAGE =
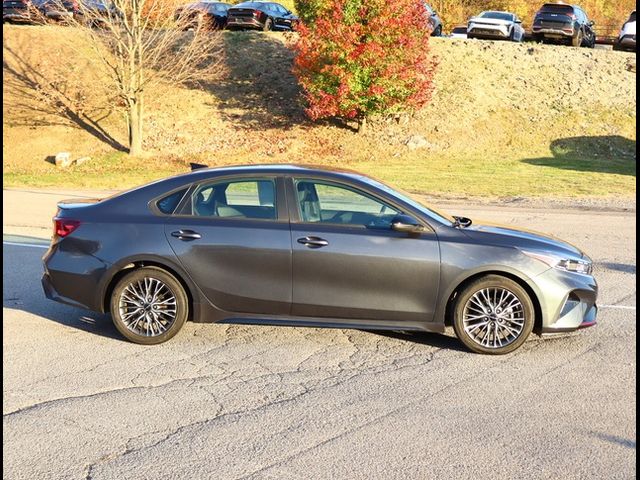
[(229, 401)]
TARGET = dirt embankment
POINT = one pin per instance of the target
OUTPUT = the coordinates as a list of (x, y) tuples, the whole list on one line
[(490, 98)]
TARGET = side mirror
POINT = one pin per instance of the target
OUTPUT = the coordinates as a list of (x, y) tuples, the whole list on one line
[(406, 224)]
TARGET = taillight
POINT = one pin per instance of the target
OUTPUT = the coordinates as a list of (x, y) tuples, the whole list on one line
[(572, 16), (256, 13), (64, 226)]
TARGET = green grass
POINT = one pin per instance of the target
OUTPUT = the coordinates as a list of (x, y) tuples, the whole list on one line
[(559, 175)]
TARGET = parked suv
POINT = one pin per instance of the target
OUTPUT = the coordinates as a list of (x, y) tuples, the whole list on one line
[(435, 23), (627, 36), (563, 23), (261, 15)]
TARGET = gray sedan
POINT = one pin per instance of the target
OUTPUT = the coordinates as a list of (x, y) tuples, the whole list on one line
[(295, 245)]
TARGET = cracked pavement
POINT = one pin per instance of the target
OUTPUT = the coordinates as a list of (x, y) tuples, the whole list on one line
[(260, 402)]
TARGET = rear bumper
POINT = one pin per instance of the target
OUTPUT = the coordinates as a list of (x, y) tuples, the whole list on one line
[(52, 294), (17, 16), (627, 42), (58, 14), (73, 277), (244, 23), (552, 33)]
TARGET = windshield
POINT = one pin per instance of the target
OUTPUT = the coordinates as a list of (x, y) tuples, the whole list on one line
[(497, 15), (409, 199), (632, 17)]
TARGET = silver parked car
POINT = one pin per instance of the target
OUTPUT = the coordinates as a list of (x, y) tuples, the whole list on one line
[(627, 36), (496, 25)]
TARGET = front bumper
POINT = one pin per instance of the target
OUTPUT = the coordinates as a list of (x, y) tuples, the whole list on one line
[(488, 31), (627, 42), (567, 300)]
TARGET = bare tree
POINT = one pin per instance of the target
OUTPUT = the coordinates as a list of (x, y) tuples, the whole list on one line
[(140, 43)]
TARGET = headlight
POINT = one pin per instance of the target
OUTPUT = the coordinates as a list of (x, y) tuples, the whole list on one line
[(568, 264)]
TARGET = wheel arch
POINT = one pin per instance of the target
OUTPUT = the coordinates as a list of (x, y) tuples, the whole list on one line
[(132, 265), (520, 280)]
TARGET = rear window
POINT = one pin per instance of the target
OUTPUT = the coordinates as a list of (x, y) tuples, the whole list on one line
[(555, 8), (169, 203), (632, 17)]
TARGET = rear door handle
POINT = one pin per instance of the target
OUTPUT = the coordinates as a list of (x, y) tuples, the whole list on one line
[(313, 242), (186, 235)]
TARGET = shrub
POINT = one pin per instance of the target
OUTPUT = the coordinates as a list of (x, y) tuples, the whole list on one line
[(365, 57)]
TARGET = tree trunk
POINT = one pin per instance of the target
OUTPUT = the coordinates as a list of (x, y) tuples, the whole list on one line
[(362, 124), (135, 128)]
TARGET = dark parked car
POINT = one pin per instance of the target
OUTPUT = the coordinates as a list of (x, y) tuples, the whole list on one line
[(627, 37), (563, 23), (435, 22), (63, 10), (211, 15), (261, 15), (293, 245), (22, 11)]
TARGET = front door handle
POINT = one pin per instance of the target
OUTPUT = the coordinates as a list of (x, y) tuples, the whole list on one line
[(313, 242), (186, 235)]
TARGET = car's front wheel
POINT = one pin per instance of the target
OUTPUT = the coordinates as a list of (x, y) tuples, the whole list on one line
[(493, 315), (149, 306)]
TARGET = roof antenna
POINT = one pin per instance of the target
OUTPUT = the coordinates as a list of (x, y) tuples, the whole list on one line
[(196, 166)]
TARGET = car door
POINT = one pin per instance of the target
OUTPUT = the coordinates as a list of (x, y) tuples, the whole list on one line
[(349, 264), (232, 237)]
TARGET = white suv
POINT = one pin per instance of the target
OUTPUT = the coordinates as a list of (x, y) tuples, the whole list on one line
[(627, 36)]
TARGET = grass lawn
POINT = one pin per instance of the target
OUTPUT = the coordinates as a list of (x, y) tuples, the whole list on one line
[(568, 175)]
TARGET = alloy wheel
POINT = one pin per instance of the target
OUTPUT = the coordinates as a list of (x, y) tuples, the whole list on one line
[(494, 317), (147, 307)]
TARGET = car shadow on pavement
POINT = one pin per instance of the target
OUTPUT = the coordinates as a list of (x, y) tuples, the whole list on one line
[(620, 267), (602, 154), (615, 439), (437, 340), (22, 290)]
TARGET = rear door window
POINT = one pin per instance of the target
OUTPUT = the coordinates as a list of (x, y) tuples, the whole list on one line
[(241, 198)]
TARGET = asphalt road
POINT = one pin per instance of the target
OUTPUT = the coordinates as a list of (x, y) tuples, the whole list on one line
[(232, 402)]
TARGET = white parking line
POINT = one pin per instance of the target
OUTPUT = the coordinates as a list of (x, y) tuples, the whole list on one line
[(32, 245), (620, 307)]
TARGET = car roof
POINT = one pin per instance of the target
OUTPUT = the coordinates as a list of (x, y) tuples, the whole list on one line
[(277, 168)]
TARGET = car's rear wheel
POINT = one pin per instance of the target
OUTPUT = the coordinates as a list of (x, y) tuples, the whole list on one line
[(268, 25), (149, 306), (437, 32), (493, 315), (577, 40)]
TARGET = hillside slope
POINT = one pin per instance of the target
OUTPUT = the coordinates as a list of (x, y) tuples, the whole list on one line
[(547, 117)]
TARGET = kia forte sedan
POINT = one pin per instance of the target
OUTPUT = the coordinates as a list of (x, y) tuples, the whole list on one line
[(303, 246)]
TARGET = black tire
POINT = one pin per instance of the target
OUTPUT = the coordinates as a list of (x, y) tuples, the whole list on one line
[(173, 287), (495, 282), (437, 32), (578, 39), (268, 25)]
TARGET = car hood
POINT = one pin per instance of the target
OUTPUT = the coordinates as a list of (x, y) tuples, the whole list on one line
[(490, 21), (503, 235)]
